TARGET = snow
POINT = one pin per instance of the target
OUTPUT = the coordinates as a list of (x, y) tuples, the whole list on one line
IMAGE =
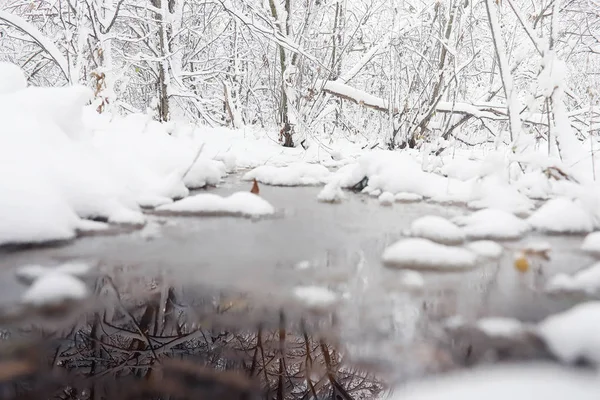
[(438, 229), (562, 215), (591, 243), (574, 334), (12, 78), (295, 174), (586, 281), (331, 193), (239, 203), (517, 382), (411, 280), (54, 288), (486, 249), (492, 224), (315, 296), (493, 192), (417, 253), (405, 197), (356, 95), (32, 272), (500, 327), (205, 172), (386, 199)]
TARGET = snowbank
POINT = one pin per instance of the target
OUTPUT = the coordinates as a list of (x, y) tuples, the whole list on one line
[(240, 203), (515, 382), (396, 172), (492, 224), (574, 334), (295, 174), (205, 172), (437, 229), (417, 253), (562, 215)]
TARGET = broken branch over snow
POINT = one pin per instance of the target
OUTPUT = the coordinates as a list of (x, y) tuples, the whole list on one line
[(483, 110), (361, 97)]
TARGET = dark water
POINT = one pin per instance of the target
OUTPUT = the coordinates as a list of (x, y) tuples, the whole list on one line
[(216, 293)]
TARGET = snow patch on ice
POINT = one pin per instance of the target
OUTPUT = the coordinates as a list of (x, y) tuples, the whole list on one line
[(295, 174), (417, 253), (54, 288), (500, 327), (331, 193), (386, 199), (405, 197), (438, 229), (240, 203), (315, 296), (486, 249)]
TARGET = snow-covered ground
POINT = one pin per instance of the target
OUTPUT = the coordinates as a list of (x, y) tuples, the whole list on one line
[(64, 164)]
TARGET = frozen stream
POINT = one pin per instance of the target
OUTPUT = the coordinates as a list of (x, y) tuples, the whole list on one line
[(310, 243)]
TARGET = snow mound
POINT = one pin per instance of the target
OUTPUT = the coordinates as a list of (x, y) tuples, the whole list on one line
[(492, 192), (54, 288), (585, 281), (500, 327), (411, 280), (331, 193), (562, 215), (591, 243), (437, 229), (30, 273), (295, 174), (492, 224), (398, 172), (486, 249), (405, 197), (386, 199), (515, 382), (574, 334), (315, 296), (205, 172), (240, 203), (12, 78), (417, 253)]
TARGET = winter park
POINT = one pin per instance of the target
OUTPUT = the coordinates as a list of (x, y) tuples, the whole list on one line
[(299, 199)]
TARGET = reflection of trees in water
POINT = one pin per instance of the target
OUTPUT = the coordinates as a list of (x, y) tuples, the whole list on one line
[(161, 348)]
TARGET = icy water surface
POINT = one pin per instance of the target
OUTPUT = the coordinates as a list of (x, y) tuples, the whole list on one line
[(236, 277)]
